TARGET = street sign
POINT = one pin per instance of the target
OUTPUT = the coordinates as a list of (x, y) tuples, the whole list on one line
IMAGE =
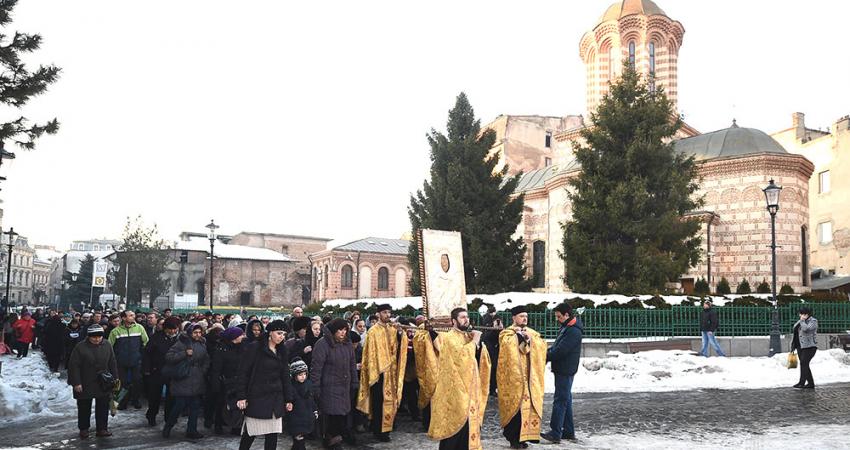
[(99, 274)]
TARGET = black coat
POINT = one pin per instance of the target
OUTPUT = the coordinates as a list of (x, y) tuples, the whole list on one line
[(225, 366), (264, 380), (86, 361), (52, 338), (154, 357), (566, 351), (199, 362), (334, 374), (73, 337), (708, 320), (302, 417)]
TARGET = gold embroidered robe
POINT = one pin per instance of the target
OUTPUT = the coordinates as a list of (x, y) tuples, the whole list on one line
[(426, 366), (384, 354), (519, 378), (462, 388)]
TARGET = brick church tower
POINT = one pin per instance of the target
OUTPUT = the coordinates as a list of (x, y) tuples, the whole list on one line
[(641, 33)]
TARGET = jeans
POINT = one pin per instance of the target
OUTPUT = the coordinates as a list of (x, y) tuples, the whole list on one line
[(708, 338), (562, 407), (131, 379), (101, 413), (180, 403)]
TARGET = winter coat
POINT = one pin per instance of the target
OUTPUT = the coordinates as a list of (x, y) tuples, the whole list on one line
[(73, 337), (24, 330), (805, 334), (199, 362), (302, 417), (566, 351), (708, 320), (52, 338), (334, 374), (225, 367), (249, 335), (86, 361), (129, 342), (295, 350), (264, 380), (153, 359)]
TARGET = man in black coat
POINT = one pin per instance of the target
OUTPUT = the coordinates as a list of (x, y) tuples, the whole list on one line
[(708, 324), (564, 356), (153, 360), (491, 338), (53, 341)]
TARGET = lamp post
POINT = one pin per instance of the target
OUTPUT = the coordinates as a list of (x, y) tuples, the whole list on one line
[(10, 241), (771, 196), (212, 236)]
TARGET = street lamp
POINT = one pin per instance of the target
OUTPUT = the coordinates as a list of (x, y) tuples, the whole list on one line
[(11, 236), (771, 196), (212, 236)]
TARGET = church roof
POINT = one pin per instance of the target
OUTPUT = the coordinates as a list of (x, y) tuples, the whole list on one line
[(377, 245), (729, 142), (535, 178), (624, 8)]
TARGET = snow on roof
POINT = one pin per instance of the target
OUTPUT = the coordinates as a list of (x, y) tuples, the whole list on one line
[(231, 251), (507, 300)]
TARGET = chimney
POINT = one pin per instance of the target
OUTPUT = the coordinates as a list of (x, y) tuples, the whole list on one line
[(798, 121)]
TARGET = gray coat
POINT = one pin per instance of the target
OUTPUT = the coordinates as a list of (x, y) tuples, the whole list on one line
[(807, 333), (195, 383), (85, 362), (334, 374)]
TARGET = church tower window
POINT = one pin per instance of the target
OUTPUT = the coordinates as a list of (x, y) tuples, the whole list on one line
[(548, 139), (612, 58), (652, 59), (632, 54)]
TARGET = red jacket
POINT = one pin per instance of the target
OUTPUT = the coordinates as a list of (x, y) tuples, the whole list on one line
[(25, 329)]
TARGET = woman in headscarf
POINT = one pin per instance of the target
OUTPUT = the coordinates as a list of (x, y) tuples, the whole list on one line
[(254, 331), (334, 379), (224, 375), (264, 387)]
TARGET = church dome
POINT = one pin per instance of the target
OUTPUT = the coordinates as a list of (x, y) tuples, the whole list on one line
[(625, 8), (729, 143)]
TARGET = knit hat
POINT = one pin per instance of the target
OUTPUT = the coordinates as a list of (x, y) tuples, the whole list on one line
[(337, 324), (232, 333), (276, 325), (235, 321), (297, 367), (95, 330)]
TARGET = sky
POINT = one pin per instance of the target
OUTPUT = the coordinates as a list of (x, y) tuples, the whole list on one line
[(310, 117)]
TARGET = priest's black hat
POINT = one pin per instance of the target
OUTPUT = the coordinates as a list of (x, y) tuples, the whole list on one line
[(518, 310), (384, 307)]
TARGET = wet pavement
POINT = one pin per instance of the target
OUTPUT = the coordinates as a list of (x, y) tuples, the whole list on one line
[(687, 416)]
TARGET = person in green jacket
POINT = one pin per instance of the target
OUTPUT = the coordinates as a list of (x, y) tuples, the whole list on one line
[(129, 340)]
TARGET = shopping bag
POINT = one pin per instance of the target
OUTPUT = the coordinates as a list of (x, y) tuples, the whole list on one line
[(792, 360)]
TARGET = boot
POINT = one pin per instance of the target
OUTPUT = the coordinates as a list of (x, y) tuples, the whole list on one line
[(166, 430)]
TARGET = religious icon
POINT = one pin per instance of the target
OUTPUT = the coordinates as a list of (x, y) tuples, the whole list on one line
[(443, 283), (444, 262)]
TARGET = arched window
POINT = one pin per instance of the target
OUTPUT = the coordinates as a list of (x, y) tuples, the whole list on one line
[(325, 277), (383, 279), (539, 264), (652, 59), (347, 277), (632, 54), (612, 59)]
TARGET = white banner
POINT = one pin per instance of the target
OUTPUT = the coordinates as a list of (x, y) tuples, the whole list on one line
[(98, 278)]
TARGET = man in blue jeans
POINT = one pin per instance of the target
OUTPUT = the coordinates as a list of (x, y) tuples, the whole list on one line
[(708, 326), (564, 356)]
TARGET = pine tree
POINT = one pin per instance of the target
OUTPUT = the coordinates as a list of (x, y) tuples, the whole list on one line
[(18, 85), (79, 293), (466, 194), (763, 287), (628, 232), (744, 287), (144, 252), (701, 287), (723, 287)]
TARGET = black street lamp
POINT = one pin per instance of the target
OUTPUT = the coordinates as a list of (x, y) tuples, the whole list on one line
[(11, 236), (771, 195), (212, 236)]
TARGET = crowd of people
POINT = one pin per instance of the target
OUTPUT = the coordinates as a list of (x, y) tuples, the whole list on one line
[(321, 377)]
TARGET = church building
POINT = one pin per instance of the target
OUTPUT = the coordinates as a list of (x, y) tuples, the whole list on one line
[(735, 164)]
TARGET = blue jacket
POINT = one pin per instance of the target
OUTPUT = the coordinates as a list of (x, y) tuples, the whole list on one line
[(565, 352)]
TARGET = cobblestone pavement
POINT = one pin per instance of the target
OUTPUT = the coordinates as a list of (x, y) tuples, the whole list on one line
[(692, 416)]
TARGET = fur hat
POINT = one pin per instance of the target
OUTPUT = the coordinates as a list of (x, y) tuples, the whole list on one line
[(337, 324), (300, 323), (276, 325)]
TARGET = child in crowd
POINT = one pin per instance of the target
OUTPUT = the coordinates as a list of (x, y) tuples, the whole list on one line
[(304, 411)]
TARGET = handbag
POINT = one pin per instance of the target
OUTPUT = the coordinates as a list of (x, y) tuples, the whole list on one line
[(105, 380), (792, 359)]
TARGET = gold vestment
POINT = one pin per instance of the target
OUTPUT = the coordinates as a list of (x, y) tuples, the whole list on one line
[(384, 354), (519, 378), (426, 366)]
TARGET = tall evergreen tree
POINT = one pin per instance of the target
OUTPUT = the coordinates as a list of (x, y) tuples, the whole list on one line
[(146, 256), (628, 232), (79, 293), (18, 85), (467, 194)]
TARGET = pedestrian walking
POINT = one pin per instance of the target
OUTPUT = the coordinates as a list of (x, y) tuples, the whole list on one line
[(187, 391), (129, 339), (302, 419), (334, 380), (74, 336), (92, 369), (806, 345), (564, 358), (153, 362), (224, 374), (708, 324), (53, 341), (264, 387), (24, 333)]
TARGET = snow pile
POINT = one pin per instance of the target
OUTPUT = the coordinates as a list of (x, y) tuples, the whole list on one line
[(27, 387), (507, 300), (675, 370)]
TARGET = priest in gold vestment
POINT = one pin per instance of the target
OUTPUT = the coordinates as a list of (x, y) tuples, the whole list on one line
[(427, 368), (519, 376), (463, 383), (382, 374)]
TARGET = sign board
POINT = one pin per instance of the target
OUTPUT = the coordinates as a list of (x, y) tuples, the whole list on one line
[(98, 278), (441, 274)]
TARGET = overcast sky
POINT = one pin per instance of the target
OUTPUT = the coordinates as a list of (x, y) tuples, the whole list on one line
[(310, 117)]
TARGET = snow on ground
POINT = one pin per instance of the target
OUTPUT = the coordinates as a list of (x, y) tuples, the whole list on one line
[(27, 388), (809, 436), (675, 370)]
